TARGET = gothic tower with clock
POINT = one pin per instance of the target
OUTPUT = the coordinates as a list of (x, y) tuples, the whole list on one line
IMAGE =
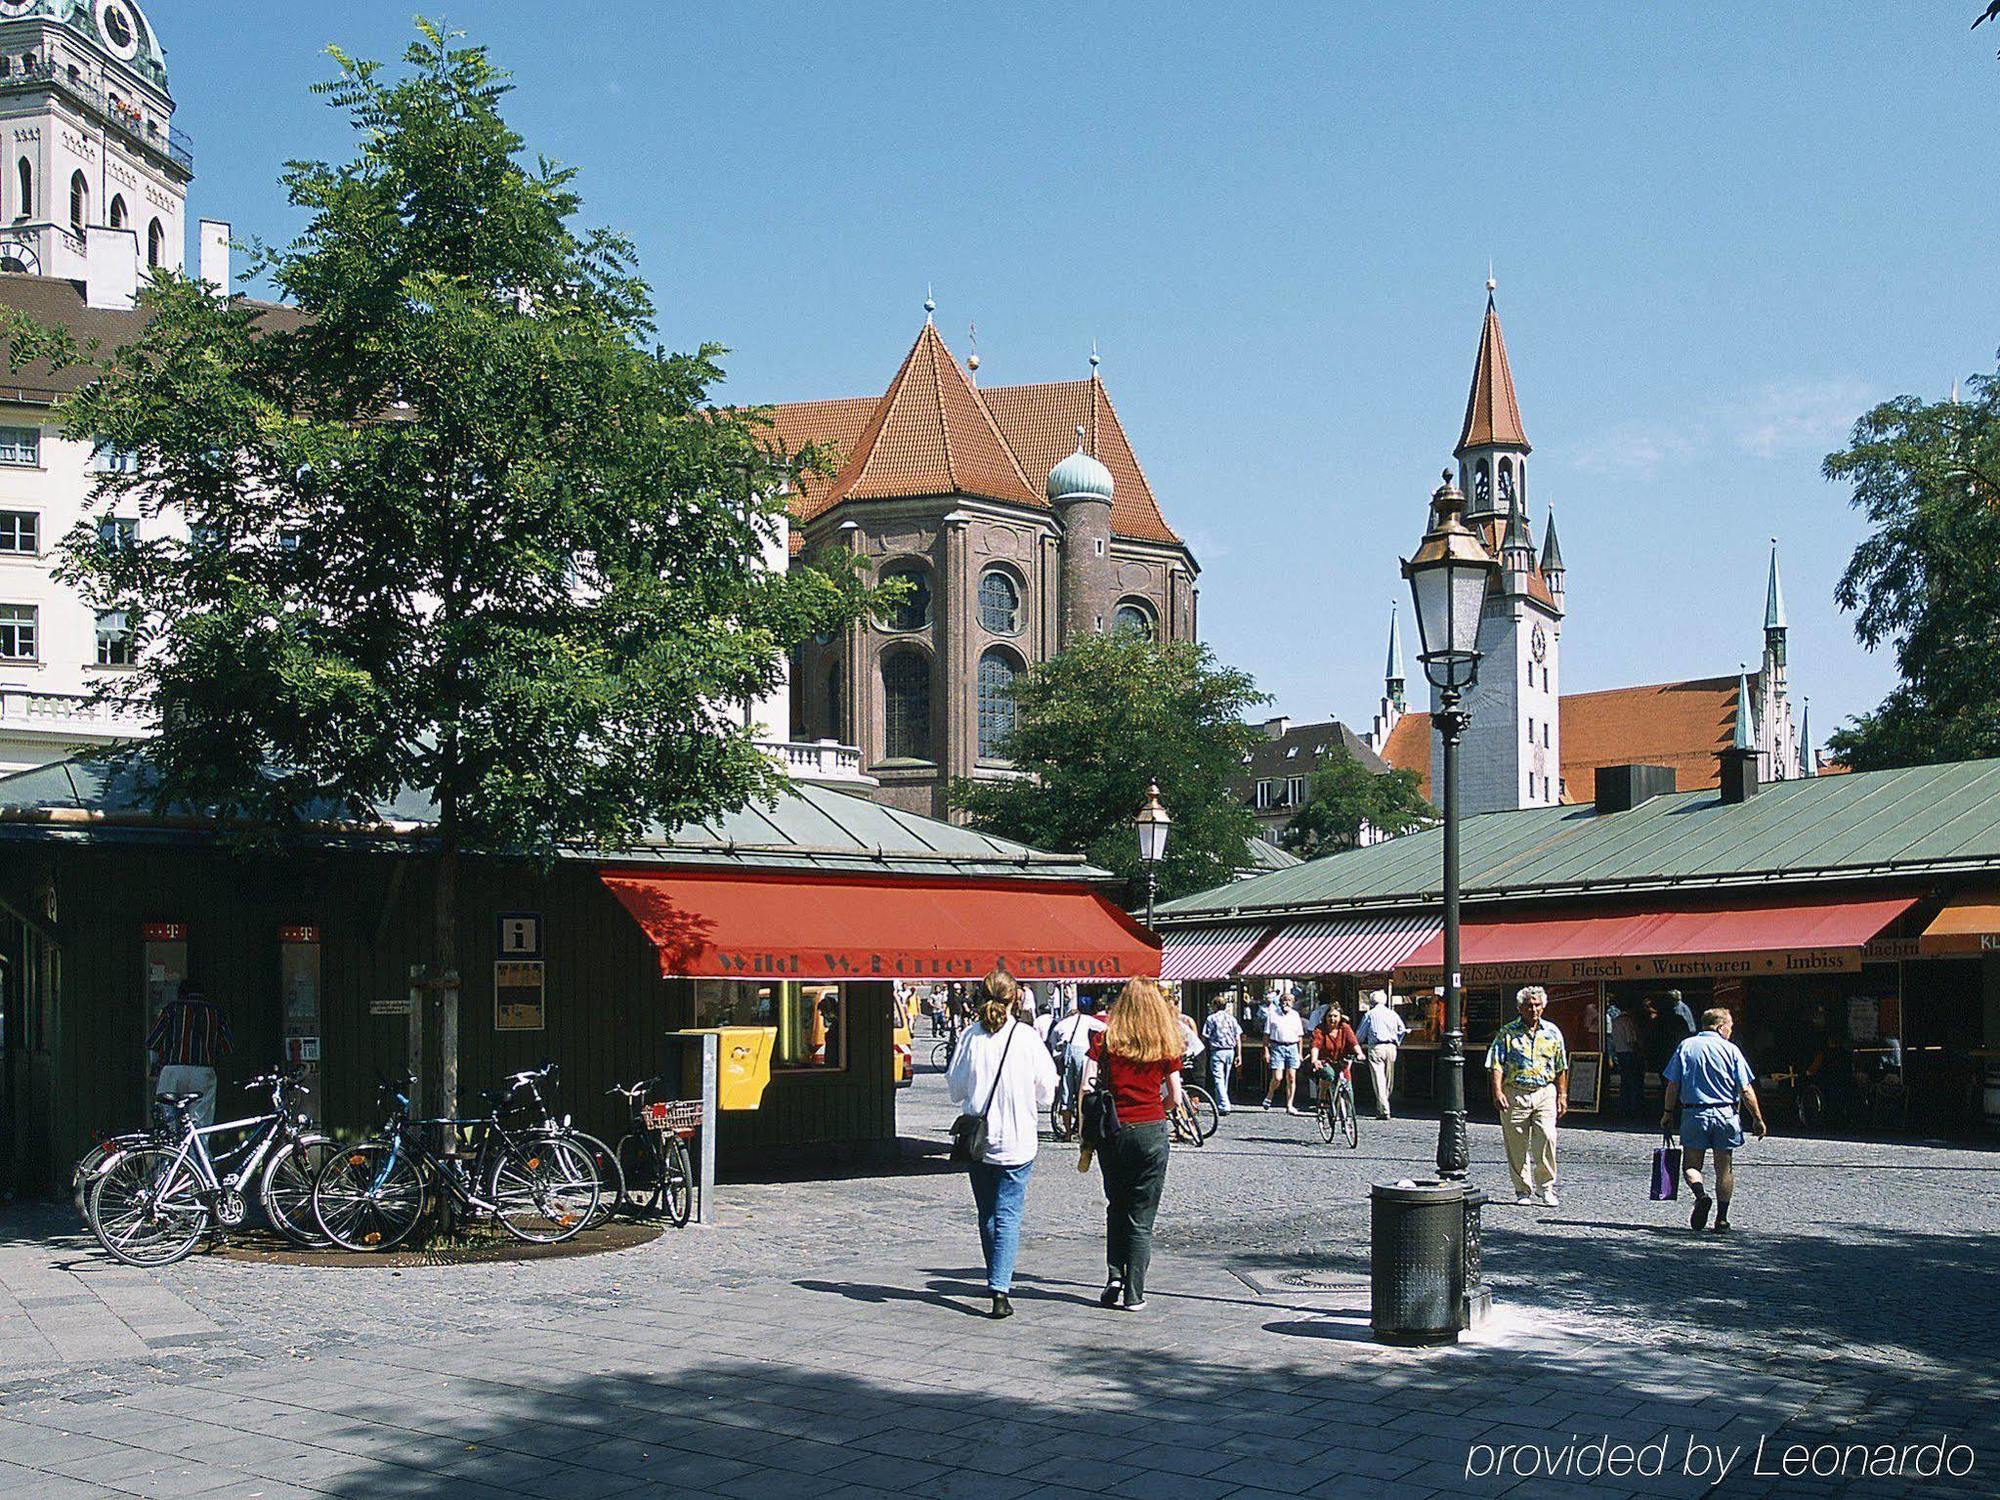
[(1512, 755), (89, 144)]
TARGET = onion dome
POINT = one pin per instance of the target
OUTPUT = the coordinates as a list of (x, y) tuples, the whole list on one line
[(1079, 477)]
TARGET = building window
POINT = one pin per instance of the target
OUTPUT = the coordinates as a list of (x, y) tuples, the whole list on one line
[(1132, 615), (906, 706), (1482, 487), (914, 613), (996, 702), (1507, 483), (1295, 791), (19, 632), (117, 532), (25, 175), (999, 603), (833, 703), (108, 458), (118, 211), (156, 244), (79, 203), (21, 447), (1098, 543), (810, 1019), (114, 639), (20, 533), (1267, 792)]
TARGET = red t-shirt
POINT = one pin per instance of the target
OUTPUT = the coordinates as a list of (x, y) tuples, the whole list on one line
[(1335, 1046), (1138, 1088)]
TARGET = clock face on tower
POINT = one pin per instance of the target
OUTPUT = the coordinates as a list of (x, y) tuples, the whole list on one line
[(9, 9), (1539, 644), (119, 30)]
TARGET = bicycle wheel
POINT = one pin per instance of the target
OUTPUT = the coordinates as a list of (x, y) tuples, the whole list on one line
[(1187, 1129), (1323, 1113), (369, 1197), (1062, 1120), (146, 1208), (285, 1191), (92, 1162), (639, 1170), (1812, 1106), (543, 1190), (678, 1177), (1201, 1109), (1344, 1116), (610, 1177), (941, 1054)]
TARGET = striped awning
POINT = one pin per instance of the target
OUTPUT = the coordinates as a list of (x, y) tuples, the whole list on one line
[(1206, 952), (1342, 945)]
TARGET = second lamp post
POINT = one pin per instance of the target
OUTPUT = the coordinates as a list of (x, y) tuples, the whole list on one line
[(1152, 824)]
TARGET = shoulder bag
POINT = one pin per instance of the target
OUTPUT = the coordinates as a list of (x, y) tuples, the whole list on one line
[(968, 1132), (1098, 1118)]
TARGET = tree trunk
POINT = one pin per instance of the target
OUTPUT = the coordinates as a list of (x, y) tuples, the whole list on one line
[(444, 978)]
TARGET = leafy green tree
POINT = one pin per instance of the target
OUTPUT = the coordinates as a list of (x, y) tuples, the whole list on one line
[(454, 524), (1344, 796), (1093, 725), (1927, 578)]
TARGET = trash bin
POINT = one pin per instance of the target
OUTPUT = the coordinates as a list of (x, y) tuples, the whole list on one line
[(1416, 1263)]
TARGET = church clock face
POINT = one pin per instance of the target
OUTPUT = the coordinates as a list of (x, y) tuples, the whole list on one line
[(1539, 644), (9, 9), (119, 30)]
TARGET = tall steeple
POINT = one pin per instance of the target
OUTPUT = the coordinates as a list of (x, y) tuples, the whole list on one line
[(1392, 676), (1806, 763), (1552, 557), (1493, 447), (1774, 624)]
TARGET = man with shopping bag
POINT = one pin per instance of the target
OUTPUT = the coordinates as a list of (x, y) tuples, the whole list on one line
[(1710, 1086)]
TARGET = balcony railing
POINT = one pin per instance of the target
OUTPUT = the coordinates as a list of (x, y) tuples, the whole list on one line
[(58, 713), (126, 119), (818, 760)]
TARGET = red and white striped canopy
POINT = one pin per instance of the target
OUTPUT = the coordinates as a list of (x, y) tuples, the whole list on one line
[(1206, 952), (1341, 945)]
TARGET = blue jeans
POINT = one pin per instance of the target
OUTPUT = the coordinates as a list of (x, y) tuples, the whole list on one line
[(1219, 1066), (1001, 1194)]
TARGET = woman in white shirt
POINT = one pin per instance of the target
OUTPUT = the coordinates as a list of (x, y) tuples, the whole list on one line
[(1002, 1070)]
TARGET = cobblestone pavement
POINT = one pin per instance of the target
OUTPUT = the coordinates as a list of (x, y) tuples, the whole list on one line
[(819, 1341)]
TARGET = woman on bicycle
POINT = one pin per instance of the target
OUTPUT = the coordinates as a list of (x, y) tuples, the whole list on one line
[(1140, 1054), (1334, 1048), (1000, 1069)]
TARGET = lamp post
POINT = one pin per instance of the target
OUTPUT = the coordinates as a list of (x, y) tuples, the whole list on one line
[(1448, 578), (1152, 823)]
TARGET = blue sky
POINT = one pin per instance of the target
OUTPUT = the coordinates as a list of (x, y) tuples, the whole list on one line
[(1719, 234)]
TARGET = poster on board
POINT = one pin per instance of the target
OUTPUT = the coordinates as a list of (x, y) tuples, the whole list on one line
[(1586, 1082), (518, 997)]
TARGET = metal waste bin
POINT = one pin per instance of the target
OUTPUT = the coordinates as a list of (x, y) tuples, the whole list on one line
[(1416, 1263)]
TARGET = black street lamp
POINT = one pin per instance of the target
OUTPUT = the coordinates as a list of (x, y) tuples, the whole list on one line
[(1449, 578), (1152, 823)]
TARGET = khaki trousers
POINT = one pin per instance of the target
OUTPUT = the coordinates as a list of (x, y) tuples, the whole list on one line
[(1382, 1073), (1528, 1126)]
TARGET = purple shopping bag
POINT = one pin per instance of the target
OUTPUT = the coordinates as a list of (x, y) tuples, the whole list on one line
[(1666, 1170)]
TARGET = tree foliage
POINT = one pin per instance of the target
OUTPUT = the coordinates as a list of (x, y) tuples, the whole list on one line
[(1927, 579), (1096, 723), (1344, 796)]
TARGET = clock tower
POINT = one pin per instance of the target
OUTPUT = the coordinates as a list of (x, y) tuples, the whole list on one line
[(87, 143), (1511, 756)]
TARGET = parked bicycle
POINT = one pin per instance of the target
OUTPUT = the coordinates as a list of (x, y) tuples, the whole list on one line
[(524, 1093), (150, 1202), (542, 1188), (656, 1178)]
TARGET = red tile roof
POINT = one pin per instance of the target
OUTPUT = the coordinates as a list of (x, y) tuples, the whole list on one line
[(1677, 724), (1492, 415), (934, 433)]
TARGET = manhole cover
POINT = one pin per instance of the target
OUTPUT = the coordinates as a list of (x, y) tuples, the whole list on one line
[(1327, 1279)]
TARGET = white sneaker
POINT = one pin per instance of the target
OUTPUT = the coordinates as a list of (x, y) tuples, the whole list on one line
[(1549, 1198), (1525, 1200)]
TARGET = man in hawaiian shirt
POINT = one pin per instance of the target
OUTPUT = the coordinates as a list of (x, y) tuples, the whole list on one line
[(1529, 1066)]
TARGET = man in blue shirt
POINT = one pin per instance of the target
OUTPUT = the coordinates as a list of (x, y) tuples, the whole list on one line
[(1708, 1080)]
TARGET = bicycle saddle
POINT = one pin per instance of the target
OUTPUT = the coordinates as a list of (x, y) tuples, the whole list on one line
[(178, 1101)]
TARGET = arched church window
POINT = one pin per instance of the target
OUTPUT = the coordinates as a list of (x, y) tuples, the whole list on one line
[(118, 211), (996, 701), (1131, 614), (26, 174), (999, 603), (1507, 483), (1482, 487), (79, 202), (914, 613), (156, 244), (906, 705)]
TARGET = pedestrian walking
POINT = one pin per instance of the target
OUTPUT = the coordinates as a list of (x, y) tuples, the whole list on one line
[(1529, 1065), (188, 1039), (1001, 1072), (1679, 1008), (1225, 1041), (1630, 1063), (1140, 1054), (1381, 1034), (1284, 1030), (1710, 1087)]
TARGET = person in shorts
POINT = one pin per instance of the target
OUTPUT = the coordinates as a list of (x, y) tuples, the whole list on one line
[(1284, 1030), (1710, 1086)]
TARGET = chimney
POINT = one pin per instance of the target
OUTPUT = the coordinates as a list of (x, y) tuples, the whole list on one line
[(215, 255), (1278, 728), (111, 268), (1622, 788)]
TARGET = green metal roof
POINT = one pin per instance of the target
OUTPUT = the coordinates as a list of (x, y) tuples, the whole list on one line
[(810, 827), (1919, 821)]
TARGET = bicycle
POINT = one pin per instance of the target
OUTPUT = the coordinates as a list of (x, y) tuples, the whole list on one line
[(656, 1177), (941, 1051), (610, 1175), (1196, 1117), (149, 1204), (1805, 1100), (374, 1195), (1335, 1111)]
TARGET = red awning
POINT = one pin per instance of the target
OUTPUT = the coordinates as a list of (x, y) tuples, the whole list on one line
[(710, 924), (1756, 935), (1343, 945), (1206, 953)]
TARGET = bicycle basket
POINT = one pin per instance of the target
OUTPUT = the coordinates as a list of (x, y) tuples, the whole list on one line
[(681, 1116)]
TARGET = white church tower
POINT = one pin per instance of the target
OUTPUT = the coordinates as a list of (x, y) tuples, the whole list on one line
[(1512, 752), (90, 147), (1779, 752)]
